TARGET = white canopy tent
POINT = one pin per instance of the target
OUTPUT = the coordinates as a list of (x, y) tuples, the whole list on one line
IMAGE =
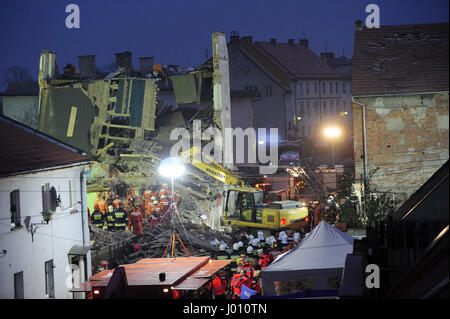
[(316, 262)]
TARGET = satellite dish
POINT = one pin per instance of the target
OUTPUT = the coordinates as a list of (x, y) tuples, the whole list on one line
[(53, 199)]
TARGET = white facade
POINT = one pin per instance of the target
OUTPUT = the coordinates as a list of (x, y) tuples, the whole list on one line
[(321, 101), (51, 242)]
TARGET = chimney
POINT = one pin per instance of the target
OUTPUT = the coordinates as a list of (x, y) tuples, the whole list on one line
[(123, 60), (273, 41), (358, 25), (248, 39), (291, 42), (303, 42), (234, 36), (87, 65), (146, 65)]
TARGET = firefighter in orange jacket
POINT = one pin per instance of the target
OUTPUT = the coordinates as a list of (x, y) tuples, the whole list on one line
[(218, 287), (103, 205), (153, 218), (236, 284), (136, 220), (117, 202), (165, 203), (147, 194), (263, 261)]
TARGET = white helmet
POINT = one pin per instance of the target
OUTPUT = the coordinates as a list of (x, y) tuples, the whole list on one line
[(249, 249), (260, 235), (255, 242), (222, 247), (235, 246), (284, 239), (240, 244), (163, 196), (250, 238), (297, 237), (153, 198), (281, 234)]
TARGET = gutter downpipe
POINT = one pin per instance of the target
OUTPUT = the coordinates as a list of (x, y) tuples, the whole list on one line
[(364, 135), (83, 204)]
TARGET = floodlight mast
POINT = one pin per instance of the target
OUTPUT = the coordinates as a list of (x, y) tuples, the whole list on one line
[(172, 167)]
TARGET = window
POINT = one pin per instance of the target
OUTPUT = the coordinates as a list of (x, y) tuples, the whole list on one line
[(316, 107), (337, 88), (308, 109), (18, 285), (290, 287), (300, 88), (315, 88), (324, 107), (331, 106), (14, 198), (323, 89), (307, 88), (343, 87), (268, 90), (49, 279), (331, 88), (337, 106), (302, 111)]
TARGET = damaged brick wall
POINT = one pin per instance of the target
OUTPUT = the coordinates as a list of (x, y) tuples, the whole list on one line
[(407, 139)]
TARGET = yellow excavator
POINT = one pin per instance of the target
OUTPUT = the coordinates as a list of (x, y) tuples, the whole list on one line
[(244, 206)]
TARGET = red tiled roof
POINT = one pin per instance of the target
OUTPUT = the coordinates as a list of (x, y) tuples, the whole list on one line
[(400, 59), (25, 149)]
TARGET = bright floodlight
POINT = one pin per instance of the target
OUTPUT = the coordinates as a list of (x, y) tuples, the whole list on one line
[(171, 167), (332, 132)]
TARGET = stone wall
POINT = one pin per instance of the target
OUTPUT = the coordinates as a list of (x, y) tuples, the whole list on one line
[(407, 139)]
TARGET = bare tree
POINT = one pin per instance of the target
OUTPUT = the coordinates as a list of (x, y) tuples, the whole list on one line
[(16, 74)]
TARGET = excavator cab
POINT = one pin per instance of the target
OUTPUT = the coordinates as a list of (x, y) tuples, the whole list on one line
[(244, 205)]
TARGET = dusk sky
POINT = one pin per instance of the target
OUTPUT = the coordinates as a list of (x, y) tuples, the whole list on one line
[(179, 32)]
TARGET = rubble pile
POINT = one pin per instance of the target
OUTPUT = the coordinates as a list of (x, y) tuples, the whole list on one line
[(101, 238)]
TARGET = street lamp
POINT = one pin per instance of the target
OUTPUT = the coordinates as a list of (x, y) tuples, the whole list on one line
[(172, 167), (332, 132)]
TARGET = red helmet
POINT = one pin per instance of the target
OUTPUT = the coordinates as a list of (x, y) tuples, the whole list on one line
[(117, 196), (96, 206)]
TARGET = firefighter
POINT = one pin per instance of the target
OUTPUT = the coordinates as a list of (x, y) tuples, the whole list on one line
[(236, 284), (110, 218), (110, 199), (273, 254), (103, 205), (120, 218), (116, 202), (147, 194), (97, 218), (153, 218), (150, 206), (165, 204), (139, 204), (218, 288), (263, 260), (136, 220)]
